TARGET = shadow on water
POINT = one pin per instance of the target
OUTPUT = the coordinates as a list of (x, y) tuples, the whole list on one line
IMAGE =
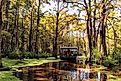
[(60, 71)]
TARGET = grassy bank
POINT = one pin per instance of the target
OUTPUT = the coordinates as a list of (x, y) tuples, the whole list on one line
[(111, 77), (26, 62), (7, 76), (14, 64), (117, 79)]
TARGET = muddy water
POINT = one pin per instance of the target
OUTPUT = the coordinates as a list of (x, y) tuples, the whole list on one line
[(60, 71)]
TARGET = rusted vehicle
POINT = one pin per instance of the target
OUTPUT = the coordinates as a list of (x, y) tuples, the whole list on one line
[(68, 53)]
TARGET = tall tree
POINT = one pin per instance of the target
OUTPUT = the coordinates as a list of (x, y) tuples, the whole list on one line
[(37, 30), (31, 33), (1, 5), (105, 8), (56, 34), (17, 24), (31, 26)]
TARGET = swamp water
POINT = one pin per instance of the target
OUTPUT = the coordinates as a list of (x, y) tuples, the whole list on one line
[(60, 71)]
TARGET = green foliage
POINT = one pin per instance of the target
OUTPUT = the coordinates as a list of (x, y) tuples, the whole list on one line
[(44, 54), (117, 55), (15, 54), (96, 55), (34, 55), (5, 34), (109, 61), (7, 76), (29, 55), (7, 52), (113, 59)]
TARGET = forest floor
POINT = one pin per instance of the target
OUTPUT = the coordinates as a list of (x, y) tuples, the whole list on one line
[(13, 64)]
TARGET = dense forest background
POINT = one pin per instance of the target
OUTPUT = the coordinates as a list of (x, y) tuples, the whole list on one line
[(29, 30)]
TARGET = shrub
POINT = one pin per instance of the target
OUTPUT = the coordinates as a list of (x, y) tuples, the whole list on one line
[(7, 52), (109, 61), (96, 55), (44, 54), (16, 54), (113, 59), (28, 54), (117, 55)]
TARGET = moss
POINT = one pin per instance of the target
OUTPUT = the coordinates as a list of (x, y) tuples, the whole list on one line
[(7, 76), (11, 63), (117, 79), (113, 78)]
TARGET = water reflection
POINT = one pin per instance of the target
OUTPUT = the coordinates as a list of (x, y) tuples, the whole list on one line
[(60, 71)]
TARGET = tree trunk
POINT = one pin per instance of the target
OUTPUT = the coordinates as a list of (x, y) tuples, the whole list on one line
[(6, 41), (56, 36), (103, 29), (30, 34), (115, 41), (89, 27), (94, 27), (13, 34), (37, 31), (1, 4), (23, 37), (90, 32), (17, 21), (7, 8)]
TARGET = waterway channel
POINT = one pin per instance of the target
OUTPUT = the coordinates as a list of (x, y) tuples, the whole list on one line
[(61, 71)]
